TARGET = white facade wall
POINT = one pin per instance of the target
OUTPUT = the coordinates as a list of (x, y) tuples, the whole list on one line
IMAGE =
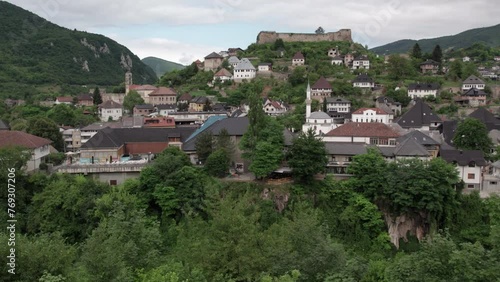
[(413, 93), (244, 74), (372, 116), (360, 64), (364, 84), (469, 86), (338, 107), (115, 114), (471, 176)]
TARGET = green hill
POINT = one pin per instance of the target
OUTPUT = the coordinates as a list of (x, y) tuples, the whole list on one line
[(490, 36), (34, 51), (160, 66)]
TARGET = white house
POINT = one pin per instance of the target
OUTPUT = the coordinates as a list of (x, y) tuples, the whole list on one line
[(274, 108), (333, 52), (321, 89), (222, 75), (473, 82), (110, 110), (466, 59), (338, 104), (233, 61), (39, 147), (337, 60), (363, 81), (469, 164), (244, 70), (64, 100), (298, 59), (422, 90), (166, 109), (361, 62), (372, 115), (265, 67)]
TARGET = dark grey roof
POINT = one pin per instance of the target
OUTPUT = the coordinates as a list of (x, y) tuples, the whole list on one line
[(166, 107), (419, 115), (288, 137), (410, 148), (385, 151), (463, 157), (385, 99), (473, 80), (423, 86), (199, 100), (363, 78), (337, 100), (361, 58), (4, 125), (430, 62), (420, 137), (348, 149), (145, 107), (448, 130), (116, 137), (474, 92), (234, 126), (487, 118), (213, 55)]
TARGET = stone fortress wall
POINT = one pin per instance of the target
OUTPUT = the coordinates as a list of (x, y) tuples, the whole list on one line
[(271, 36)]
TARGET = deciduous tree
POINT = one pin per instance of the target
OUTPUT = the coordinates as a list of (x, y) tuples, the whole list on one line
[(472, 134), (133, 98), (307, 156)]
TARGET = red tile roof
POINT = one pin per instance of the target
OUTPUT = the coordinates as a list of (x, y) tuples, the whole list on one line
[(360, 129), (110, 104), (65, 99), (322, 83), (223, 72), (298, 56), (163, 91), (142, 87), (186, 97), (19, 138), (377, 110)]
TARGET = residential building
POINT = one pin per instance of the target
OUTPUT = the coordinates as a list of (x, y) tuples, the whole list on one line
[(422, 90), (420, 117), (473, 82), (388, 104), (212, 62), (64, 100), (233, 61), (222, 75), (466, 59), (469, 164), (363, 81), (298, 59), (340, 156), (143, 91), (40, 147), (348, 58), (429, 66), (472, 97), (72, 139), (333, 52), (143, 110), (85, 100), (110, 110), (265, 67), (159, 122), (321, 89), (199, 104), (184, 99), (376, 133), (244, 71), (274, 108), (338, 104), (163, 95), (361, 62), (337, 60), (372, 115), (431, 146), (166, 109)]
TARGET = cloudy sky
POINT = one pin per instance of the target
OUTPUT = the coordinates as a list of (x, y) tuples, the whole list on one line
[(183, 31)]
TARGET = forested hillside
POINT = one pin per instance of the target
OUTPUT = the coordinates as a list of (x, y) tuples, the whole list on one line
[(161, 66), (176, 223), (488, 36), (34, 51)]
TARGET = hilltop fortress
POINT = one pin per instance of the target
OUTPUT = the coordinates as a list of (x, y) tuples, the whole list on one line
[(271, 36)]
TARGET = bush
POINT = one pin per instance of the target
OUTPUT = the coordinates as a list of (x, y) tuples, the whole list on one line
[(56, 158)]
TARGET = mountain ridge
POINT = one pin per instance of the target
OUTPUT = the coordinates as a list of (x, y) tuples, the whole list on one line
[(486, 35), (161, 66)]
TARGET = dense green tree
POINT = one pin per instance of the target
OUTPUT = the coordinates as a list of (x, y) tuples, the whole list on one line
[(267, 158), (96, 96), (46, 128), (217, 163), (437, 54), (62, 114), (307, 156), (298, 76), (278, 43), (416, 52), (399, 95), (472, 134), (456, 71), (223, 141), (204, 145), (370, 172), (257, 122), (399, 67), (133, 98)]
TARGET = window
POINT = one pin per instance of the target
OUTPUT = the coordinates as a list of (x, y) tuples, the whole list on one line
[(113, 182), (471, 176), (470, 186), (493, 183)]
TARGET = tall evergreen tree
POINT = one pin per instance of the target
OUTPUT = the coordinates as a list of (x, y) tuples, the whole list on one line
[(416, 52), (97, 96), (437, 54)]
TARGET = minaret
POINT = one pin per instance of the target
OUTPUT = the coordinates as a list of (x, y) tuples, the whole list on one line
[(128, 81), (308, 100)]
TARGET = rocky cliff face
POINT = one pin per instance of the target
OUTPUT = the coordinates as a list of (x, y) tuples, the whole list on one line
[(271, 36)]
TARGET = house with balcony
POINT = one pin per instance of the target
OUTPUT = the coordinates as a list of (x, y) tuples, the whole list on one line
[(321, 89), (429, 66), (470, 165), (372, 115), (361, 62), (298, 59), (338, 104), (420, 117), (363, 81), (473, 98), (244, 70), (473, 82), (422, 90)]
